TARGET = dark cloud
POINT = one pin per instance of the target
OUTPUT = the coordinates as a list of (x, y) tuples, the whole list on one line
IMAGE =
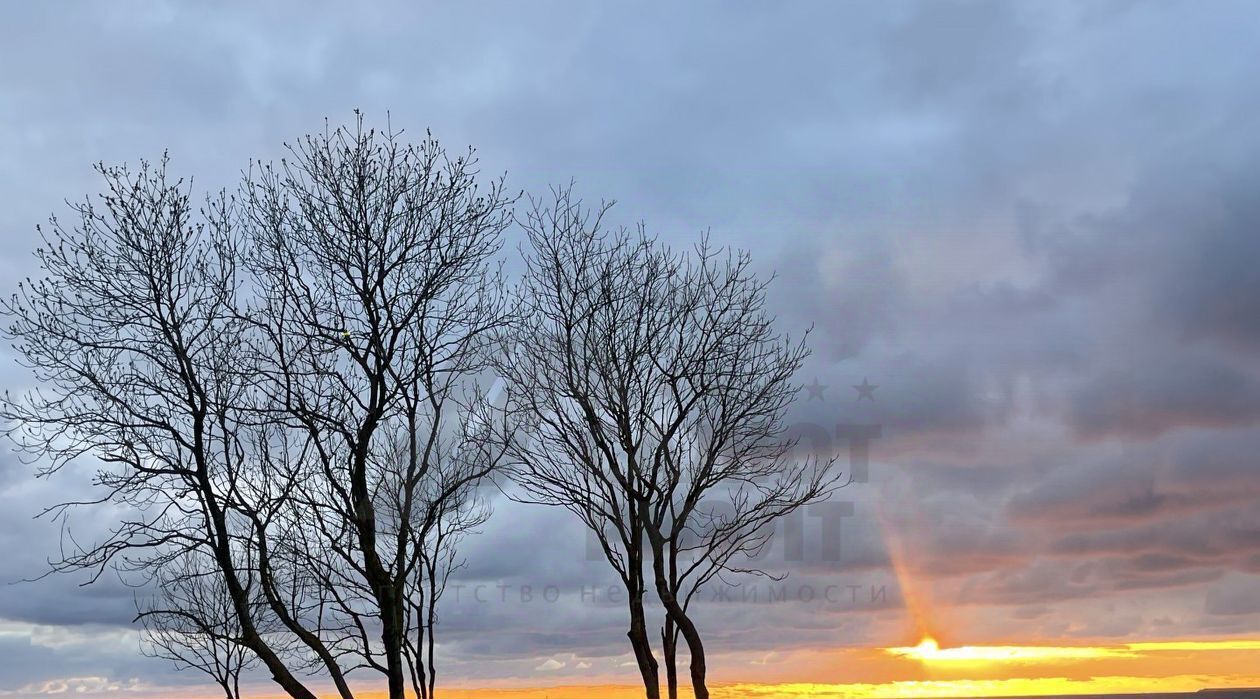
[(1147, 399), (1148, 483), (1233, 597)]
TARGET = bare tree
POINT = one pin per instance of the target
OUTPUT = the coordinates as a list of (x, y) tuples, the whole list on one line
[(436, 535), (569, 408), (652, 387), (720, 462), (191, 622), (243, 373)]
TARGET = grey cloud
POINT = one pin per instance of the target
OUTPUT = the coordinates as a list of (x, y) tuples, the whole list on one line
[(1147, 399), (1175, 477), (1232, 597)]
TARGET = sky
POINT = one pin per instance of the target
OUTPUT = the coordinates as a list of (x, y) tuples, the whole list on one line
[(1032, 225)]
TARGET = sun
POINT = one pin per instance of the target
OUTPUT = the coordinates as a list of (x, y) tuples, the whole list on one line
[(930, 651), (927, 647)]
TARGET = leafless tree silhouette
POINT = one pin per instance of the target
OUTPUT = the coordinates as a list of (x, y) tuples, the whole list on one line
[(649, 389), (192, 623), (566, 452), (244, 374)]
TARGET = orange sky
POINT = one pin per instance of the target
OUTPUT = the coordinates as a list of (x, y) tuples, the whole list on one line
[(930, 671)]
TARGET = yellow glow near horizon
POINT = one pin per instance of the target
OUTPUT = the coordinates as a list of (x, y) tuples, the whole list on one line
[(929, 671), (898, 689), (1241, 644), (942, 689), (929, 651)]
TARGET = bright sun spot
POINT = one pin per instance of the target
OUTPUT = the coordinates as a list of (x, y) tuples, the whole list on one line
[(929, 651), (927, 646)]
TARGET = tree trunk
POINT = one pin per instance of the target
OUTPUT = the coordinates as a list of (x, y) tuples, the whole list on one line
[(431, 641), (638, 633), (669, 641), (392, 642), (642, 646), (695, 647)]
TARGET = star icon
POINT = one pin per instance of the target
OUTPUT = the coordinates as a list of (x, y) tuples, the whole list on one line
[(865, 389), (815, 390)]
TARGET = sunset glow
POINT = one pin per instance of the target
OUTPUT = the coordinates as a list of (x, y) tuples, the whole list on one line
[(929, 670), (929, 651), (908, 689)]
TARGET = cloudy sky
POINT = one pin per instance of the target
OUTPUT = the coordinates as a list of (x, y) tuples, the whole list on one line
[(1034, 226)]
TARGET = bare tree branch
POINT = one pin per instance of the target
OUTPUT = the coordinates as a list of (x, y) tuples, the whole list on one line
[(653, 387), (244, 376)]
